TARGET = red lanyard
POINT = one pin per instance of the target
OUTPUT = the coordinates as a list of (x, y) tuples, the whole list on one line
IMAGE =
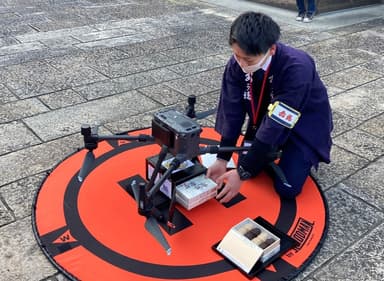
[(255, 112)]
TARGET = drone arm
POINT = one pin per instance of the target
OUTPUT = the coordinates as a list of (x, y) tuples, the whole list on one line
[(140, 137), (91, 137), (214, 149)]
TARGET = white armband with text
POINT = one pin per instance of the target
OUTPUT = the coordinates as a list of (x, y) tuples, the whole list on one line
[(283, 114)]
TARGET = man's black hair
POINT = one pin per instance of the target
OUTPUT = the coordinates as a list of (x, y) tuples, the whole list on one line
[(254, 32)]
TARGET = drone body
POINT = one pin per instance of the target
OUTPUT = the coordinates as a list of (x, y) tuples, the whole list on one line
[(178, 132)]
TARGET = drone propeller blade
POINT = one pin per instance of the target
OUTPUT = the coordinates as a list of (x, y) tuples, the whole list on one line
[(205, 114), (88, 161), (153, 228)]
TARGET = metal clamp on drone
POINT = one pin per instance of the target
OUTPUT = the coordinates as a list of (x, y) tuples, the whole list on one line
[(176, 133)]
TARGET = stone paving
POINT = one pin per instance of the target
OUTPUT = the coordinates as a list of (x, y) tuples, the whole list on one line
[(115, 62)]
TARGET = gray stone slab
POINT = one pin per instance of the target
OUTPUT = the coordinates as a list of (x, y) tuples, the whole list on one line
[(208, 101), (58, 43), (211, 78), (343, 123), (61, 99), (148, 78), (195, 18), (25, 83), (362, 261), (61, 277), (76, 76), (8, 17), (7, 41), (62, 20), (25, 19), (369, 40), (104, 34), (136, 64), (136, 122), (214, 41), (99, 57), (6, 215), (362, 103), (331, 57), (54, 34), (163, 95), (298, 37), (6, 95), (19, 248), (15, 30), (126, 83), (36, 159), (189, 86), (102, 89), (328, 66), (12, 75), (19, 195), (376, 65), (351, 78), (343, 164), (68, 120), (20, 109), (139, 24), (32, 56), (374, 126), (199, 65), (332, 90), (115, 42), (349, 220), (23, 47), (152, 46), (368, 183), (183, 54), (15, 136), (361, 143), (357, 27)]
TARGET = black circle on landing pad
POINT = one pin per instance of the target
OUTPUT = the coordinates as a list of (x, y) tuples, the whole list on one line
[(68, 239)]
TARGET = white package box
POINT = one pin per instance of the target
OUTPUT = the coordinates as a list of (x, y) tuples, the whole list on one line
[(195, 191)]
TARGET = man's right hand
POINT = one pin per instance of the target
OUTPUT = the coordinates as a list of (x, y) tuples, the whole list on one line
[(218, 168)]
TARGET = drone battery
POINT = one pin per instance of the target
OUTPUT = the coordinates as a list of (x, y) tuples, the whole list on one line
[(187, 170)]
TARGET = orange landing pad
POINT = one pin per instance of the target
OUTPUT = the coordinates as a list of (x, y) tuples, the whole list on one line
[(92, 231)]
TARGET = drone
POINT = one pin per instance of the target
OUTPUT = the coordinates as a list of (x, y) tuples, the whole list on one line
[(176, 133)]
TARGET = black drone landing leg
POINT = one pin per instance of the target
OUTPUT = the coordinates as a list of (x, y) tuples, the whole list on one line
[(146, 208), (162, 155)]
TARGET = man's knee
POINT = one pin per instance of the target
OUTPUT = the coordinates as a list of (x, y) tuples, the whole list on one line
[(288, 192)]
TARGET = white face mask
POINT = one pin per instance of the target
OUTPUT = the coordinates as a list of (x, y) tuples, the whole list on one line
[(255, 67)]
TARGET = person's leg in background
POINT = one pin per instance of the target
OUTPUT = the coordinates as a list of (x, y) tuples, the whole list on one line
[(301, 9), (296, 170), (310, 11)]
